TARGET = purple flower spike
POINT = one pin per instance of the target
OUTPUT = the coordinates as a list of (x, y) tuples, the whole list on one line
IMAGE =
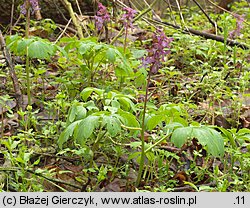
[(239, 26), (157, 51), (34, 5), (128, 16), (102, 16)]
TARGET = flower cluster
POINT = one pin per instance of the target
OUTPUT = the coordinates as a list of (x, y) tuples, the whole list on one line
[(239, 26), (127, 17), (102, 16), (157, 51), (34, 5)]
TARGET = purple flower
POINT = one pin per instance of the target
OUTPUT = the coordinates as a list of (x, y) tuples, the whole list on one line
[(127, 17), (239, 26), (102, 16), (157, 51), (34, 5)]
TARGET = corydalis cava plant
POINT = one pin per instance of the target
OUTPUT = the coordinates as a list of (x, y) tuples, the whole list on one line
[(127, 17), (239, 26), (34, 5), (156, 55), (127, 21), (157, 52), (102, 16)]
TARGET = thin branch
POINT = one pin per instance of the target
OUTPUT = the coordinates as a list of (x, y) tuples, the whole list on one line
[(181, 16), (233, 14), (171, 11), (73, 17), (12, 14), (64, 30), (209, 19), (18, 93), (204, 34)]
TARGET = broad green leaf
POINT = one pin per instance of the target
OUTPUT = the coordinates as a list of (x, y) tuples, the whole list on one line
[(111, 109), (111, 55), (40, 49), (229, 136), (154, 121), (137, 54), (134, 155), (115, 104), (113, 125), (90, 105), (120, 71), (126, 103), (68, 132), (72, 114), (181, 135), (12, 42), (124, 61), (80, 113), (84, 48), (135, 145), (130, 119), (205, 135), (215, 143), (86, 93), (22, 45), (173, 125), (86, 128)]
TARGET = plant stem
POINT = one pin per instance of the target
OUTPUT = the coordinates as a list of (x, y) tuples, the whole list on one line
[(125, 40), (27, 27), (95, 146), (142, 133), (27, 67)]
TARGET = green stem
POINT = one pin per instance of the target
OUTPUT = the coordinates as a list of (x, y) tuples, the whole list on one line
[(27, 68), (95, 146), (142, 133), (158, 142), (125, 40)]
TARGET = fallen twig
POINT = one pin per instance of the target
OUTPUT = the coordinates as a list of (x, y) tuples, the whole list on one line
[(203, 34), (43, 176)]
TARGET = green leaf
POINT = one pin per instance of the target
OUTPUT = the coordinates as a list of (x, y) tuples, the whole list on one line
[(86, 93), (68, 132), (76, 112), (113, 125), (216, 143), (22, 45), (150, 156), (84, 48), (154, 121), (205, 135), (72, 114), (125, 64), (134, 155), (111, 55), (86, 128), (130, 119), (181, 135), (40, 49), (137, 54), (81, 112), (88, 90)]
